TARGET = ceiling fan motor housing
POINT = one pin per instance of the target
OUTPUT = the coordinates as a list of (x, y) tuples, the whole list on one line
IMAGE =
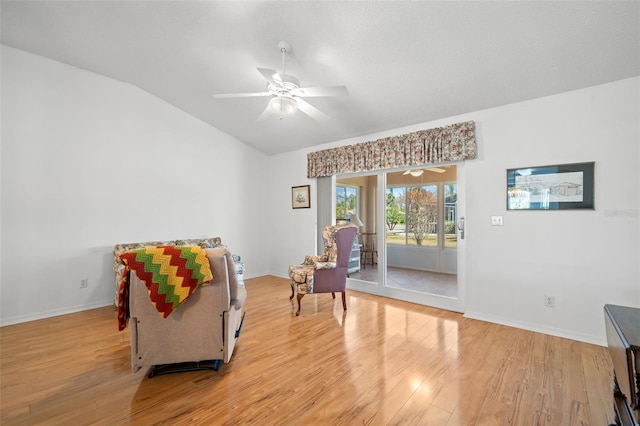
[(286, 83)]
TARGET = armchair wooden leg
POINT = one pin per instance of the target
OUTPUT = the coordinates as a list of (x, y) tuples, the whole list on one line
[(292, 291), (333, 295), (300, 296), (344, 301)]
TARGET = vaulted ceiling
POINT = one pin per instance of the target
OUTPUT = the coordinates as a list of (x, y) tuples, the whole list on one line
[(403, 62)]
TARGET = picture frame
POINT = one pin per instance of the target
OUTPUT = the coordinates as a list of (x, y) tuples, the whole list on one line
[(553, 187), (301, 197)]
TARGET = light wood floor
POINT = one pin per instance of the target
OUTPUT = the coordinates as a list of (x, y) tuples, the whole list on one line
[(381, 362)]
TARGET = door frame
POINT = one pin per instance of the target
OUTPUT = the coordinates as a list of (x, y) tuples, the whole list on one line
[(455, 304)]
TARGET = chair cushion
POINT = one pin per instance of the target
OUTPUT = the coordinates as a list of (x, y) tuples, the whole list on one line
[(302, 276), (301, 273)]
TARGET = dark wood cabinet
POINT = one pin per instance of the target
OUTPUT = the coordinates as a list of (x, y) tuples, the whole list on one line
[(623, 339)]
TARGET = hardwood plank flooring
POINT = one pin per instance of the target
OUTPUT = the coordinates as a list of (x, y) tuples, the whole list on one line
[(381, 362)]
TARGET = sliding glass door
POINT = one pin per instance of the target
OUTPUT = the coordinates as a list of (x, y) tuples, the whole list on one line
[(421, 231), (408, 242)]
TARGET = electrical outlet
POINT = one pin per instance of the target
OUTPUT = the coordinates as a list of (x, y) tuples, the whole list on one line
[(549, 301), (84, 283), (496, 221)]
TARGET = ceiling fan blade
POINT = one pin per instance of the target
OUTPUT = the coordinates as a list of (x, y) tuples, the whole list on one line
[(311, 111), (268, 75), (265, 114), (436, 170), (418, 172), (240, 95), (309, 92), (414, 173)]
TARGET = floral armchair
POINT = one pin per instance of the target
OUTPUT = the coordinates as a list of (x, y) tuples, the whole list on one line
[(326, 273)]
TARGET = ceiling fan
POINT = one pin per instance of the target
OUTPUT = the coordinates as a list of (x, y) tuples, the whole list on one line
[(418, 172), (286, 93)]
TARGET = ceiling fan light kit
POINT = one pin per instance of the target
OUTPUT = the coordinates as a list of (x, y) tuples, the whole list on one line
[(283, 105), (286, 93)]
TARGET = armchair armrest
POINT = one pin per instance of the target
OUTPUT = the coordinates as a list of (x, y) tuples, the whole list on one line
[(312, 260), (325, 265), (319, 262)]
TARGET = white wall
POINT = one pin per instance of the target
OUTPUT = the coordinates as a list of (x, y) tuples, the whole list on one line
[(584, 258), (88, 162)]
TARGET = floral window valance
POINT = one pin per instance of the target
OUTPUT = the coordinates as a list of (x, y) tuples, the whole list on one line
[(455, 142)]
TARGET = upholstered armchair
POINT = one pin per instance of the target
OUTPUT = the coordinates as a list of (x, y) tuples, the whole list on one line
[(326, 273)]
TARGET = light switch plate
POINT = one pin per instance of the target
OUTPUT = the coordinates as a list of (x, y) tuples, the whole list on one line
[(496, 221)]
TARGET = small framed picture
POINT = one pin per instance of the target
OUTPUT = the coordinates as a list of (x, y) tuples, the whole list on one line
[(555, 187), (300, 197)]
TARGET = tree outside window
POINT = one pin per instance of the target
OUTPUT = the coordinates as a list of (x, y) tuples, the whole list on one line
[(421, 206), (412, 215), (394, 215), (346, 201)]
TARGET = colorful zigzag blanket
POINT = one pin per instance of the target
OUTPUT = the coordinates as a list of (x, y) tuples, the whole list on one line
[(171, 273)]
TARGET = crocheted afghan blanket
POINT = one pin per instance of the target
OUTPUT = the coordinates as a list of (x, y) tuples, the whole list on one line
[(171, 273)]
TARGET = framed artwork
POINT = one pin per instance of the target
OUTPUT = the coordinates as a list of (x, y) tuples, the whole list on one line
[(300, 197), (555, 187)]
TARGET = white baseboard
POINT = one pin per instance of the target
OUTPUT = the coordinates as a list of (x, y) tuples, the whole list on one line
[(551, 331), (54, 313), (278, 275), (255, 275), (567, 334)]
